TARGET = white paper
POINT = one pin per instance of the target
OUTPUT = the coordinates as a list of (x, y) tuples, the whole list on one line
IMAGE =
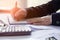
[(8, 19), (3, 17), (11, 20)]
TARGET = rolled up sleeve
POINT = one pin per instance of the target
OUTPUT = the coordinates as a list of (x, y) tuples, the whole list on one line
[(56, 19)]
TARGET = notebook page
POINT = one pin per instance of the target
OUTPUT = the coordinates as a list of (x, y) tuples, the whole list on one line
[(12, 21), (3, 18)]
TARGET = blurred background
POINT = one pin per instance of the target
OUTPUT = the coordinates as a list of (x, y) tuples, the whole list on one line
[(8, 4)]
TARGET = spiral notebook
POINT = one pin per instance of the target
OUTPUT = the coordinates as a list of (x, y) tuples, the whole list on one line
[(13, 28)]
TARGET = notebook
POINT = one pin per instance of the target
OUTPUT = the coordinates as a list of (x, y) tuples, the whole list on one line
[(13, 28)]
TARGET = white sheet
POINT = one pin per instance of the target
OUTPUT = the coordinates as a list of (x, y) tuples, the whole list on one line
[(3, 17)]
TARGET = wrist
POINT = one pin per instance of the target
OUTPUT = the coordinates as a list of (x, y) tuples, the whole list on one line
[(47, 19)]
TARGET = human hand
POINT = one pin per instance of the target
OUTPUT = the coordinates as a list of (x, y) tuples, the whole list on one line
[(45, 20), (18, 14)]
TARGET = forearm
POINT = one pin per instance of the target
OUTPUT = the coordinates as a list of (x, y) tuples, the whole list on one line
[(43, 10), (38, 11), (53, 19)]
